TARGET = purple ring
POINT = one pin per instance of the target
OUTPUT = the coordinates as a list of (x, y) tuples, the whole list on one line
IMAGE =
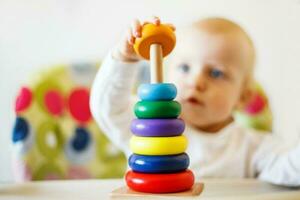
[(157, 127)]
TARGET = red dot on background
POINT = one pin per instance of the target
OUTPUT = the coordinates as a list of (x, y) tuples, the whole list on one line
[(54, 102), (23, 99), (256, 105), (79, 105)]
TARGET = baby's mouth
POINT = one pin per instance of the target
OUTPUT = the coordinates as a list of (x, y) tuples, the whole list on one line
[(194, 101)]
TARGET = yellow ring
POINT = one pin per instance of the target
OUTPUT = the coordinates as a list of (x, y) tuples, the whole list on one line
[(158, 145)]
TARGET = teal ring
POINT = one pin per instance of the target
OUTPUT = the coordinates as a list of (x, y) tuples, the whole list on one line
[(157, 92)]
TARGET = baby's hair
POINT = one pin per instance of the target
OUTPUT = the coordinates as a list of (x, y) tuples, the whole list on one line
[(216, 25)]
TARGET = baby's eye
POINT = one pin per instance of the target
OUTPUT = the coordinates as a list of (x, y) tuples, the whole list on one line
[(215, 73), (185, 68)]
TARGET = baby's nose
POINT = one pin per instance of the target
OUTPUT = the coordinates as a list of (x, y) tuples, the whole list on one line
[(200, 83)]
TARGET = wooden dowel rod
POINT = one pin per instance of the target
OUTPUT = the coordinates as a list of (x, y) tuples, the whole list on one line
[(156, 62)]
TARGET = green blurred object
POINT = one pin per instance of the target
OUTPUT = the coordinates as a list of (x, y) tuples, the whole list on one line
[(257, 113)]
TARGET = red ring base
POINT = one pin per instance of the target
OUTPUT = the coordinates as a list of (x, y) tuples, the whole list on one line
[(160, 183)]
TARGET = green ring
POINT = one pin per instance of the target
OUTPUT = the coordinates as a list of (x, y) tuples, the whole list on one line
[(46, 150), (157, 109)]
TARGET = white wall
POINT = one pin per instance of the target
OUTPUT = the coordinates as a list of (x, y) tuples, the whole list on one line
[(37, 33)]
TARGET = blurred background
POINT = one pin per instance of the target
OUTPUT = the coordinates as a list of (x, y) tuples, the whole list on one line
[(35, 34)]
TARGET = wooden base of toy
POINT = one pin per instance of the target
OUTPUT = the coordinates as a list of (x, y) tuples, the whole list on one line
[(127, 193)]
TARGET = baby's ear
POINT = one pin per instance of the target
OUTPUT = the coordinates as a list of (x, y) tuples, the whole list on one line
[(246, 96)]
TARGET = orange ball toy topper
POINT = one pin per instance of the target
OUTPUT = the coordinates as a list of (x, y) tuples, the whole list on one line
[(157, 41)]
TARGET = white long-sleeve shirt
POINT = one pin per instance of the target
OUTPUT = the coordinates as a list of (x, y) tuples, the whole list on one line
[(233, 152)]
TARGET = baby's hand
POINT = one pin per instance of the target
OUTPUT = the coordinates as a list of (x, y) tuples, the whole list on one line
[(124, 50)]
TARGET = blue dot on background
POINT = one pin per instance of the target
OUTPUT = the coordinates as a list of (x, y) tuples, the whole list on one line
[(81, 139), (20, 130)]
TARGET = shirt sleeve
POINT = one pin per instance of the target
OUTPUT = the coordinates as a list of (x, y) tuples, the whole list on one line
[(112, 100), (277, 162)]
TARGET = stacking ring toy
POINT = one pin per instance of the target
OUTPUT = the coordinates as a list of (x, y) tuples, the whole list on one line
[(155, 34), (157, 92), (158, 145), (160, 183), (157, 127), (157, 109), (159, 164)]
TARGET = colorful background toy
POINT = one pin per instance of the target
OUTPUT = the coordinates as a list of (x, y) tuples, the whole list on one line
[(54, 135)]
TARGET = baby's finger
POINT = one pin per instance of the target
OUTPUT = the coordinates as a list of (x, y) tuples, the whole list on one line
[(155, 20), (136, 28), (129, 37), (145, 22)]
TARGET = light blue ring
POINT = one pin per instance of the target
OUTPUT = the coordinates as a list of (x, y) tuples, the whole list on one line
[(157, 92)]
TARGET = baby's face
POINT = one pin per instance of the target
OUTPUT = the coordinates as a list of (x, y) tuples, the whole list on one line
[(208, 70)]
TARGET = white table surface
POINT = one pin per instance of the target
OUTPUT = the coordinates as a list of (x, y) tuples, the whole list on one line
[(214, 189)]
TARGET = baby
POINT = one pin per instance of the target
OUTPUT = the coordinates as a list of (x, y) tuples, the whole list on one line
[(212, 67)]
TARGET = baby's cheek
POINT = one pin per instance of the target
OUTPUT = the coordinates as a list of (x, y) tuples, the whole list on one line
[(171, 75), (223, 106)]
